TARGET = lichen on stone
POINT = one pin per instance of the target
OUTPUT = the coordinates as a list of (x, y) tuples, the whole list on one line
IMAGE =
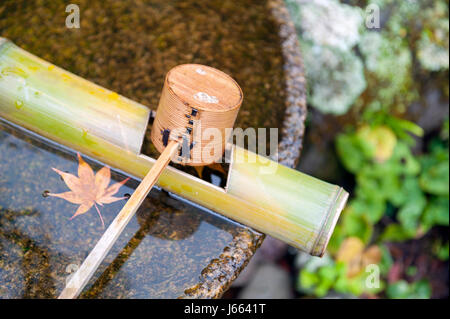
[(433, 46), (336, 78), (327, 22), (388, 62), (328, 32), (378, 67)]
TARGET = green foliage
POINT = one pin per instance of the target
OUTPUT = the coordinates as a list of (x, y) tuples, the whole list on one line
[(441, 250), (416, 189), (333, 275), (397, 195), (435, 176), (386, 260), (390, 181), (403, 290)]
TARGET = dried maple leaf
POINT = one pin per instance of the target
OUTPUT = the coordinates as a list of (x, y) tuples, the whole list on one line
[(89, 189)]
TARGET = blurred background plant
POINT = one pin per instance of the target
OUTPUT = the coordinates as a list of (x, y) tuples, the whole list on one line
[(378, 106)]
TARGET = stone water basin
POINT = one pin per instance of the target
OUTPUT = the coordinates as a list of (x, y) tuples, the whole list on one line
[(170, 249)]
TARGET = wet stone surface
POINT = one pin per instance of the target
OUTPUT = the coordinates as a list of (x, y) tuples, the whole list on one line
[(162, 253)]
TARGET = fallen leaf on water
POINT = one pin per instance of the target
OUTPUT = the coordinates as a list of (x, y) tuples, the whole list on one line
[(89, 189)]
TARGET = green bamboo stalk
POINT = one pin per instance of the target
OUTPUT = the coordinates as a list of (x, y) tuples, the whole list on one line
[(71, 111), (296, 207), (33, 90)]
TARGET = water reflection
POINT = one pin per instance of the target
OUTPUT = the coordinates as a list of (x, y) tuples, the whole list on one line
[(162, 251)]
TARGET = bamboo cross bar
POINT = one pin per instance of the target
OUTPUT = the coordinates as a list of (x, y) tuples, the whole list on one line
[(77, 114)]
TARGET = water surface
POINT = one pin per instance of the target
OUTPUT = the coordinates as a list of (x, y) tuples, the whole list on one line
[(161, 253)]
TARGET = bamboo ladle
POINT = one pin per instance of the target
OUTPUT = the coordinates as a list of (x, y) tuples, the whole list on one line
[(194, 98)]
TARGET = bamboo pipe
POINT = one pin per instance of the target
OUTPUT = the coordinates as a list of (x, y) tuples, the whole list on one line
[(297, 208)]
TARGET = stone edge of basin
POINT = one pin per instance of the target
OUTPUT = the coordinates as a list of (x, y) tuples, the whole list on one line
[(217, 277)]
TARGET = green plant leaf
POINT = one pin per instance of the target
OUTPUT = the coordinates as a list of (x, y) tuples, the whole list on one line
[(357, 225), (349, 152), (308, 279), (411, 271), (400, 126), (408, 190), (395, 233), (372, 209), (336, 239), (421, 290), (403, 161), (399, 290), (436, 212), (441, 251), (410, 212), (435, 179), (378, 141), (386, 260)]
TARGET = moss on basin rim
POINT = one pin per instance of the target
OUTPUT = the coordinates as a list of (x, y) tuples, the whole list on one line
[(128, 46)]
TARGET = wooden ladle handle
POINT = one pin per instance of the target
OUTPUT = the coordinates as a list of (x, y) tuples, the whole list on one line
[(79, 280)]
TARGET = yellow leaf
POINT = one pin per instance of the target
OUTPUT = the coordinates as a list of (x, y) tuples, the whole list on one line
[(353, 254), (381, 138), (351, 248), (371, 255), (350, 253)]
